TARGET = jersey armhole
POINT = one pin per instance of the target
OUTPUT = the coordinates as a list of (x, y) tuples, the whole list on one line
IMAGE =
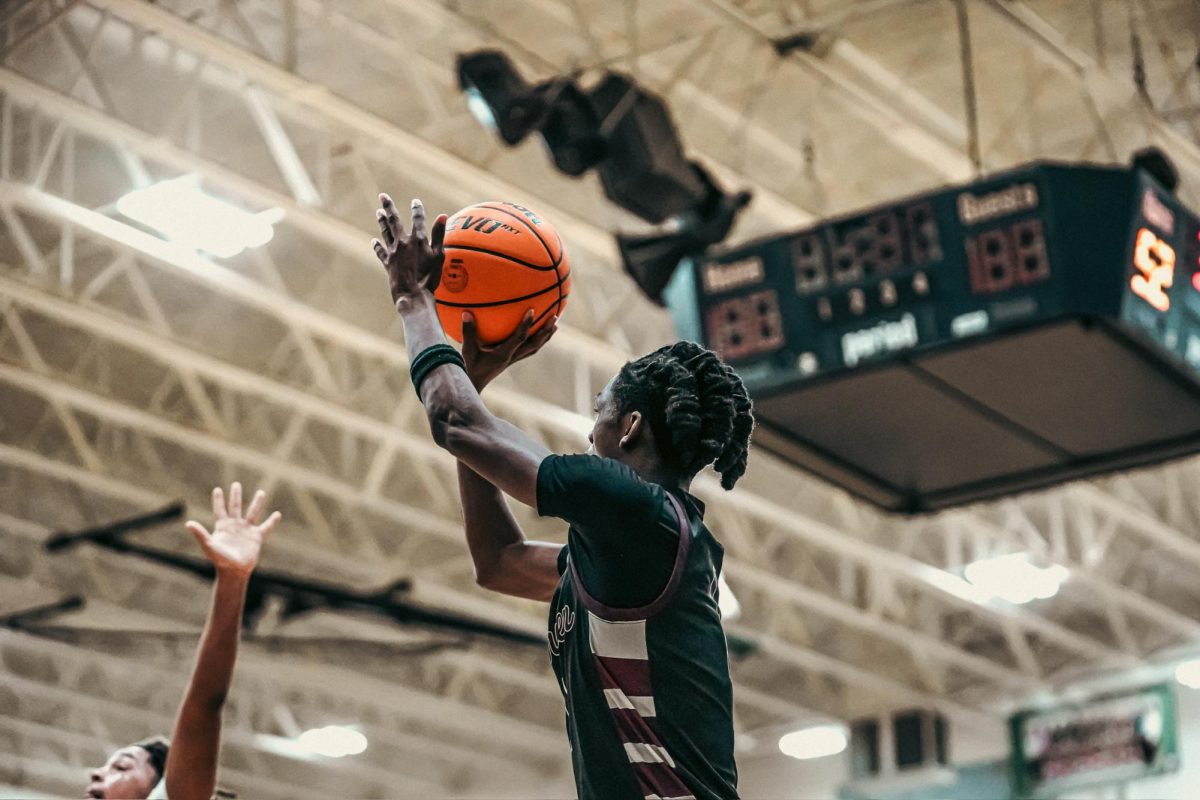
[(664, 597)]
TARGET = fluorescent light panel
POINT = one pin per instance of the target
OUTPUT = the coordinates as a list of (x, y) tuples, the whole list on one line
[(184, 213), (1188, 673), (1015, 578), (334, 741), (731, 609), (816, 742)]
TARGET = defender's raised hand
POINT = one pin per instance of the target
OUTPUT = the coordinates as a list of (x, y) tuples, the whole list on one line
[(236, 539), (414, 260)]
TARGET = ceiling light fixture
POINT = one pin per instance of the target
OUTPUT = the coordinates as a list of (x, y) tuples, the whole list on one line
[(628, 136), (731, 609), (1015, 578), (333, 741), (815, 742), (184, 213), (1188, 673)]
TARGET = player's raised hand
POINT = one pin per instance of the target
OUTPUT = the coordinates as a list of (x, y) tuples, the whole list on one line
[(413, 260), (485, 362), (236, 539)]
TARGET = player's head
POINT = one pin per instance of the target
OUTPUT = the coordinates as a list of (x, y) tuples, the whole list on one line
[(132, 771), (691, 404)]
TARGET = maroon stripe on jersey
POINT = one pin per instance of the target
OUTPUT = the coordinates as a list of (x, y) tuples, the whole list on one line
[(661, 780), (633, 727), (630, 675)]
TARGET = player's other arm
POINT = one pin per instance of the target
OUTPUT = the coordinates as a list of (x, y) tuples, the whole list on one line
[(233, 547), (505, 561)]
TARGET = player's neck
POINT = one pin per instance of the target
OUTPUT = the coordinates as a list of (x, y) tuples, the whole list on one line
[(650, 469)]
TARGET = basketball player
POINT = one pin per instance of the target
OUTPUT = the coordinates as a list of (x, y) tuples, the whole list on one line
[(635, 631), (189, 762)]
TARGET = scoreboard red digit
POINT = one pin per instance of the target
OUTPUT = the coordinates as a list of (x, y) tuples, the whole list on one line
[(746, 325)]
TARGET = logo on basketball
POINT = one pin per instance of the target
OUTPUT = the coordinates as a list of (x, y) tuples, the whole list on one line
[(529, 215), (454, 276), (564, 622), (468, 222)]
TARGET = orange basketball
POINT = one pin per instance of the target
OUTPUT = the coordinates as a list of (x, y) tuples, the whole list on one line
[(501, 260)]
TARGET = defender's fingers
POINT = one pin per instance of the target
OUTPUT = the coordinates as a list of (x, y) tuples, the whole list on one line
[(270, 524), (199, 531), (218, 503), (391, 217), (438, 235), (418, 220), (235, 500), (256, 507), (380, 251)]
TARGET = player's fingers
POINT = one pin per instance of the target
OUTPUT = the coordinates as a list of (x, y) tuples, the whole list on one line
[(218, 503), (380, 251), (546, 331), (256, 507), (538, 339), (270, 524), (384, 230), (522, 332), (437, 236), (435, 275), (470, 335), (235, 500), (391, 217), (418, 221)]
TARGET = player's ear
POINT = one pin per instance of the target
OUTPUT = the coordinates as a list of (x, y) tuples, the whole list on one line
[(632, 429)]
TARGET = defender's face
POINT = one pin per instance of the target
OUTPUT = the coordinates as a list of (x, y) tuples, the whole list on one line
[(128, 774)]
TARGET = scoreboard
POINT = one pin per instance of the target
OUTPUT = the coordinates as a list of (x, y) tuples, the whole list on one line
[(969, 342)]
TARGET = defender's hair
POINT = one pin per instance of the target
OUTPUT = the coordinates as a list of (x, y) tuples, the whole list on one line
[(696, 405), (157, 747)]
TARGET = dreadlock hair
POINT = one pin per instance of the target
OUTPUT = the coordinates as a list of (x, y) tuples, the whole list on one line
[(696, 405)]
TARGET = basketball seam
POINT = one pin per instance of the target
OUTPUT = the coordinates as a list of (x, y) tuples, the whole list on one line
[(561, 280), (526, 264), (542, 316), (562, 250), (538, 293), (534, 231)]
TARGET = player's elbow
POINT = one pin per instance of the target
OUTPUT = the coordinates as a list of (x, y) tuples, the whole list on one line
[(487, 576), (452, 427)]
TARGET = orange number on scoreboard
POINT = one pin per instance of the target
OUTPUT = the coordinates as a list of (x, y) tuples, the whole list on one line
[(1155, 261)]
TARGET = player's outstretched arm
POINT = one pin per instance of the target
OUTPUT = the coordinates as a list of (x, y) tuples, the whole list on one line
[(233, 546), (505, 561), (499, 452)]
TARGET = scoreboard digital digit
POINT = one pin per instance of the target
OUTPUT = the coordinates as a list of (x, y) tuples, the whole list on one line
[(1037, 326)]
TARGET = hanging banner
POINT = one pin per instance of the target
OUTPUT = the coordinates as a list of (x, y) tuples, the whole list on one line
[(1108, 739)]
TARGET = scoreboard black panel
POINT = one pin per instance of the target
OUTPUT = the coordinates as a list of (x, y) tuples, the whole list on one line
[(1040, 325)]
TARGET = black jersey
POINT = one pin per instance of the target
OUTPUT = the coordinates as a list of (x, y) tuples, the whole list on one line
[(636, 638)]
